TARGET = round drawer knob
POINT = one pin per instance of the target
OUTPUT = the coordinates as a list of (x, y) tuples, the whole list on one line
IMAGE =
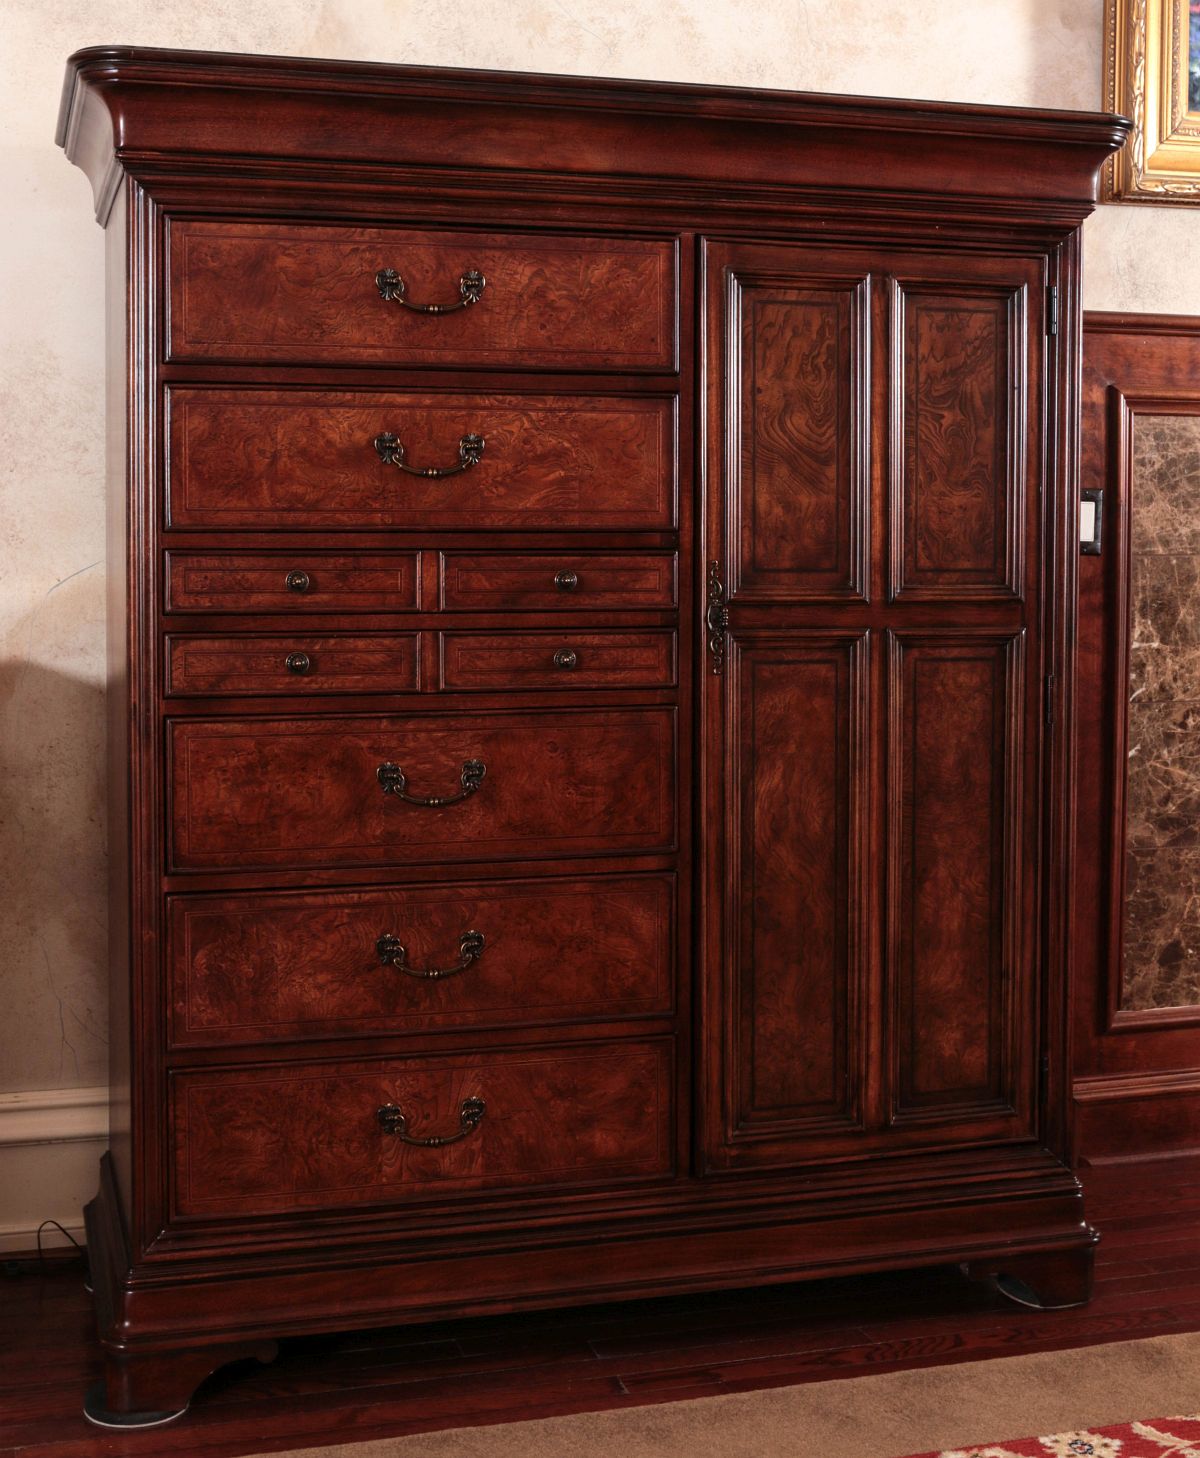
[(298, 662), (566, 581), (566, 658), (298, 581)]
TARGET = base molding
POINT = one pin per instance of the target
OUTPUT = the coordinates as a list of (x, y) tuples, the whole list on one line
[(163, 1330), (50, 1140), (1122, 1118)]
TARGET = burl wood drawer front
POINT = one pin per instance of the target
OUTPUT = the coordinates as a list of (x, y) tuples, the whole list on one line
[(558, 660), (242, 460), (270, 291), (248, 968), (391, 791), (297, 664), (319, 1136), (300, 582), (559, 581)]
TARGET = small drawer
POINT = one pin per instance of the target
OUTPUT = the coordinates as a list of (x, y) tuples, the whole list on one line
[(272, 967), (557, 581), (293, 582), (329, 295), (295, 460), (315, 1136), (298, 664), (563, 660), (342, 790)]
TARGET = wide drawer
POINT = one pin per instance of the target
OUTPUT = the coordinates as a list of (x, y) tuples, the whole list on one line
[(337, 791), (298, 664), (297, 582), (250, 968), (558, 581), (243, 460), (558, 660), (301, 293), (319, 1136)]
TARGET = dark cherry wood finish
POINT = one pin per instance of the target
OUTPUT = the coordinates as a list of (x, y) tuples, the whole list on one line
[(373, 1385), (263, 291), (1137, 1088), (302, 965), (279, 460), (742, 571)]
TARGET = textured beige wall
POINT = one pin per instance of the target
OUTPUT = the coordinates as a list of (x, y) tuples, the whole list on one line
[(1023, 52)]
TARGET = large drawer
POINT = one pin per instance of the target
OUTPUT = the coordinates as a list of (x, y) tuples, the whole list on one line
[(290, 582), (293, 460), (256, 967), (307, 1136), (330, 791), (301, 293)]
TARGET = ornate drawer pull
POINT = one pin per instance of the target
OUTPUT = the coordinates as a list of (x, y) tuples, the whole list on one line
[(566, 658), (392, 290), (566, 581), (393, 953), (298, 581), (391, 777), (297, 663), (392, 1121), (391, 453)]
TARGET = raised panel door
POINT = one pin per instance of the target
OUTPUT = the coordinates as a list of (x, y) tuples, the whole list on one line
[(873, 725)]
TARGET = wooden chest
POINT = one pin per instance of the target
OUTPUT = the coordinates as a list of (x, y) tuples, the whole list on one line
[(591, 661)]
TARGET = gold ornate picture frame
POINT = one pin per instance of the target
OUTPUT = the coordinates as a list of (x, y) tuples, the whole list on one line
[(1152, 76)]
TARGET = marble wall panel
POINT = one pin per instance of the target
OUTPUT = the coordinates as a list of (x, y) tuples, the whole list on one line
[(1162, 855)]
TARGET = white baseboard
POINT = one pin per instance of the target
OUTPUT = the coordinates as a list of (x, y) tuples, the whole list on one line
[(51, 1141)]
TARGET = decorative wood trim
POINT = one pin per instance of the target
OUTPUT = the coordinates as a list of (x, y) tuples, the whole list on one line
[(364, 121), (1104, 322), (54, 1116), (1114, 1089), (1134, 1071), (1126, 1118)]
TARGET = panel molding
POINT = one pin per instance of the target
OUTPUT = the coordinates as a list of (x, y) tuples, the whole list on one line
[(770, 1132), (847, 294), (1004, 579), (998, 1098)]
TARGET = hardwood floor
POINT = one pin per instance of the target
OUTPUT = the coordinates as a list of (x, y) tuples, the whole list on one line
[(371, 1385)]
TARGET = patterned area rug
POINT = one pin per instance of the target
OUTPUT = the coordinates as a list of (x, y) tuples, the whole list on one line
[(1152, 1438)]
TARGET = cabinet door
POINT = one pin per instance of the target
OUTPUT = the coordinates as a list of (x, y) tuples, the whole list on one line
[(872, 730)]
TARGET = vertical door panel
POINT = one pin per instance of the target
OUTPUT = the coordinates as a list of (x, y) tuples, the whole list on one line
[(794, 1058), (958, 483), (797, 433), (954, 853)]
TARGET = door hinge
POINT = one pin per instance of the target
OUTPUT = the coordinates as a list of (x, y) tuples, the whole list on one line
[(716, 617), (1048, 691), (1052, 309)]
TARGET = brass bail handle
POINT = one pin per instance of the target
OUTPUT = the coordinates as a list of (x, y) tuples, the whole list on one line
[(392, 1120), (391, 452), (393, 290), (392, 952), (393, 781)]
